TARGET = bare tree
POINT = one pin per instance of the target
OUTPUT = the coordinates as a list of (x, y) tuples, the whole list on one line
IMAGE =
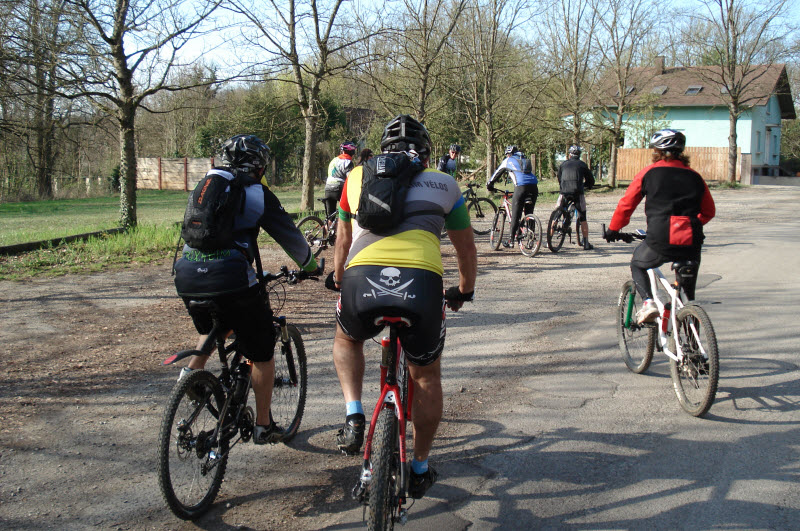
[(739, 40), (569, 42), (406, 66), (310, 42), (496, 79), (128, 49), (624, 26)]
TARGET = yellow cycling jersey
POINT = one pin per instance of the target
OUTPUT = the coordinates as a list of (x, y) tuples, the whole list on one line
[(432, 198)]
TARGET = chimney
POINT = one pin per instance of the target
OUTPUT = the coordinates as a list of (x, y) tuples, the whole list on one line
[(660, 64)]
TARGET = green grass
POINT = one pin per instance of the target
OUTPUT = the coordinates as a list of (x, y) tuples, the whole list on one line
[(46, 220)]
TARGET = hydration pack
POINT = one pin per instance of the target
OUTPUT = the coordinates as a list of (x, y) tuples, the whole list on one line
[(210, 214), (525, 165), (385, 182)]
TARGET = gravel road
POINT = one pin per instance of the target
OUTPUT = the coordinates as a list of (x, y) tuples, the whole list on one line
[(544, 426)]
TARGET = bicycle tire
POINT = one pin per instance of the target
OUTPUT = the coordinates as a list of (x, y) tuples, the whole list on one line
[(694, 383), (555, 230), (187, 488), (315, 233), (531, 240), (289, 391), (481, 213), (498, 226), (637, 342), (385, 462), (578, 228)]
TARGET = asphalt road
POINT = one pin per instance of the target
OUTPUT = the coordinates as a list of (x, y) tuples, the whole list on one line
[(544, 427)]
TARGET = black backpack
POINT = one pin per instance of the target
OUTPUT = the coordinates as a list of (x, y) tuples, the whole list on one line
[(384, 185), (526, 165), (213, 205)]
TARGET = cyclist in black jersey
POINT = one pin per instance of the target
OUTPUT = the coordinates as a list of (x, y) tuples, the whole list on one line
[(449, 162), (230, 277), (574, 176)]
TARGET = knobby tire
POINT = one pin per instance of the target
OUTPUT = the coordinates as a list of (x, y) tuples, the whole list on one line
[(694, 383), (385, 461), (481, 213), (531, 240), (555, 230), (637, 342), (187, 489), (314, 232), (289, 392), (498, 227)]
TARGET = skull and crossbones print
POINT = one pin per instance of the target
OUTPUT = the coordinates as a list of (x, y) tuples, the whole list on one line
[(390, 277)]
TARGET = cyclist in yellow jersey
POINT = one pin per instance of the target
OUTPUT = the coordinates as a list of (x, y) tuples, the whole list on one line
[(399, 272)]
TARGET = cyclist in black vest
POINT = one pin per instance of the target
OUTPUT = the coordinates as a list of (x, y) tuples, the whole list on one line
[(677, 204), (230, 276), (574, 176), (449, 163)]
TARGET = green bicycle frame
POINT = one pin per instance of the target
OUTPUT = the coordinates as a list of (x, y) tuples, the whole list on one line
[(629, 311)]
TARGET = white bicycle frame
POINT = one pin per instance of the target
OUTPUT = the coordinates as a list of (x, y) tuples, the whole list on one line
[(667, 329)]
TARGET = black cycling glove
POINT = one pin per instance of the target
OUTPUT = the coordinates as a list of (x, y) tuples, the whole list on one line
[(330, 284), (454, 294), (611, 235)]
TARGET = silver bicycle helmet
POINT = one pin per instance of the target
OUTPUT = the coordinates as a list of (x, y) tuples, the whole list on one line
[(245, 151), (404, 133), (668, 140)]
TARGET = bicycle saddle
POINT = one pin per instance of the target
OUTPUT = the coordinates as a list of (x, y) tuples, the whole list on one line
[(685, 268)]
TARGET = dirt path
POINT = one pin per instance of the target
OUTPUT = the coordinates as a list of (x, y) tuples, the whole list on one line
[(82, 389)]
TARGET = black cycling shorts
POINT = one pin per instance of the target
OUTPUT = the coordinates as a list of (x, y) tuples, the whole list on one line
[(249, 316), (417, 294), (580, 203)]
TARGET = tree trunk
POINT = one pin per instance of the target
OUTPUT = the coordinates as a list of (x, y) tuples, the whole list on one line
[(612, 165), (732, 144), (309, 158), (127, 169)]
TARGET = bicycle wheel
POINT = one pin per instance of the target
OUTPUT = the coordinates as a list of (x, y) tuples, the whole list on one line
[(695, 379), (578, 229), (314, 232), (385, 462), (291, 379), (555, 230), (636, 342), (481, 213), (190, 468), (531, 240), (498, 226)]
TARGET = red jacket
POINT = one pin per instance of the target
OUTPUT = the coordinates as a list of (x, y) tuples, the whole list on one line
[(678, 204)]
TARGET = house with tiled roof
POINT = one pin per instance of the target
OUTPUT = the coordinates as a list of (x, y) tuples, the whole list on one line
[(688, 99)]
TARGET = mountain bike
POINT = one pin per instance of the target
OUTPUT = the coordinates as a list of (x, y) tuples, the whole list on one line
[(383, 482), (560, 224), (481, 210), (682, 331), (529, 234), (207, 414), (318, 233)]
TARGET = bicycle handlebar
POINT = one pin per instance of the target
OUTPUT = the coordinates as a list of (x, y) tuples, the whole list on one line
[(294, 276), (626, 237)]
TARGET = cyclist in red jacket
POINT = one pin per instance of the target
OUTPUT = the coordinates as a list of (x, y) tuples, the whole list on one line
[(677, 205)]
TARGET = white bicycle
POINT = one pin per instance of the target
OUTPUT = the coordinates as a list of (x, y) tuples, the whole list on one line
[(682, 331)]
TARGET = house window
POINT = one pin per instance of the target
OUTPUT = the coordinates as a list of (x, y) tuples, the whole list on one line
[(775, 153), (660, 90), (628, 90), (759, 148), (693, 90), (723, 90)]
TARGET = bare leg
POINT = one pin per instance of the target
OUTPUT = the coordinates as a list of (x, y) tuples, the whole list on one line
[(263, 379), (585, 229), (427, 407), (348, 357), (199, 362)]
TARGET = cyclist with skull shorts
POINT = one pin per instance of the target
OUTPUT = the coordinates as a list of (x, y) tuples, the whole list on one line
[(399, 273)]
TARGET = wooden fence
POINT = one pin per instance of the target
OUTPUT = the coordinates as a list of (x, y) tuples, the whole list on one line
[(711, 163), (171, 174)]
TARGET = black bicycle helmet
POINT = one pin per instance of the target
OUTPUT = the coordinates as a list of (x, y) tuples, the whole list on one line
[(245, 151), (668, 140), (510, 150), (455, 147), (348, 148), (404, 133), (575, 151)]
